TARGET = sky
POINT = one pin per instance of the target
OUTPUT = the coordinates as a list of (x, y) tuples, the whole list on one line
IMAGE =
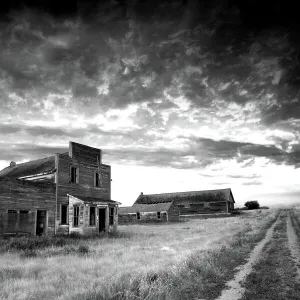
[(180, 95)]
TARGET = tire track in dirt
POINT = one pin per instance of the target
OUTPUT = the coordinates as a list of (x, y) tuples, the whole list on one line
[(293, 244), (235, 290)]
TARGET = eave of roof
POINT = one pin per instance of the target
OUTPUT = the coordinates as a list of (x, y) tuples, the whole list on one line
[(94, 199)]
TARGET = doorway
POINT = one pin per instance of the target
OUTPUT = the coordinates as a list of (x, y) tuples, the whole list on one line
[(41, 222), (102, 219)]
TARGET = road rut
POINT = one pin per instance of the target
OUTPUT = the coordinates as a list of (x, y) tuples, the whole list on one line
[(235, 289)]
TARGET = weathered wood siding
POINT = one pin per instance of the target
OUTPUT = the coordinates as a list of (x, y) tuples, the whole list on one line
[(146, 217), (86, 181), (171, 215), (189, 208), (28, 196)]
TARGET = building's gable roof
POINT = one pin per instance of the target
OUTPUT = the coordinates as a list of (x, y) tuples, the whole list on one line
[(39, 166), (201, 196), (93, 200), (145, 208)]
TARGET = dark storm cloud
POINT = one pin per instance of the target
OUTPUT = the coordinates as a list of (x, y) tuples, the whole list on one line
[(205, 152), (141, 48), (222, 149), (52, 132)]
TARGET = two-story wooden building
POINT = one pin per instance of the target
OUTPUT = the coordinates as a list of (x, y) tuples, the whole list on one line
[(62, 194)]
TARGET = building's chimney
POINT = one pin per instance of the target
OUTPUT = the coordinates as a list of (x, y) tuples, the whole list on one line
[(12, 164), (141, 194)]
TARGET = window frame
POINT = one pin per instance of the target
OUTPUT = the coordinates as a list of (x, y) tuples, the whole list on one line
[(158, 214), (94, 219), (76, 174), (67, 215), (111, 216), (76, 216)]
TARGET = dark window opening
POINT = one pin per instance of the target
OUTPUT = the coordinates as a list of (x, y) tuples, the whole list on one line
[(138, 216), (158, 215), (111, 216), (92, 216), (74, 175), (97, 179), (64, 214), (24, 211), (76, 216)]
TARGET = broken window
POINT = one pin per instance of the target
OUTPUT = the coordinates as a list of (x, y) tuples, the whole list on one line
[(64, 214), (138, 216), (76, 216), (158, 215), (92, 216), (97, 179), (111, 216), (74, 175)]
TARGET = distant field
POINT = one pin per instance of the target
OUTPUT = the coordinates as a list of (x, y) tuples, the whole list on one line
[(172, 261)]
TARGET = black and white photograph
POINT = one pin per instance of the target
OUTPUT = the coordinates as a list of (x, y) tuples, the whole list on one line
[(150, 150)]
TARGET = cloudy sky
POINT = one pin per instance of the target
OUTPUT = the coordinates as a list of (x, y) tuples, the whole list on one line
[(180, 95)]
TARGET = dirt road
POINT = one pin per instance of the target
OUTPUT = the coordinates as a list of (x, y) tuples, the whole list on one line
[(273, 268)]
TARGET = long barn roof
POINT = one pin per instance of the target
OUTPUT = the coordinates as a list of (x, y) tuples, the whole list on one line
[(201, 196)]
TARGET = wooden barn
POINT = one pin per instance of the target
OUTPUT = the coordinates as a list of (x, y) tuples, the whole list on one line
[(159, 212), (58, 195), (194, 203)]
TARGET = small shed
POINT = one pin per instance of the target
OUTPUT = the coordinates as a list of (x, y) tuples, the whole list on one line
[(155, 212)]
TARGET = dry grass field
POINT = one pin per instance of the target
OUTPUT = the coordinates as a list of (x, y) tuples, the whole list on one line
[(187, 260)]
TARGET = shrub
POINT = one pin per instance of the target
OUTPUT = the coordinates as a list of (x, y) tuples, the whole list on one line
[(252, 204)]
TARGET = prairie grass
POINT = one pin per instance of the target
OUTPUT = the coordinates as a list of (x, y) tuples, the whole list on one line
[(171, 261)]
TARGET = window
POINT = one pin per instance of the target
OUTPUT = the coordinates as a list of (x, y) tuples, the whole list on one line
[(74, 175), (111, 216), (158, 215), (92, 216), (206, 205), (12, 216), (97, 179), (138, 216), (64, 214), (76, 216)]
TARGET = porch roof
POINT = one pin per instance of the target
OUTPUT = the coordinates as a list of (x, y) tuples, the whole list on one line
[(93, 200)]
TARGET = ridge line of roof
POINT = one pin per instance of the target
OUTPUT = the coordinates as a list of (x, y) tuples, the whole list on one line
[(185, 192)]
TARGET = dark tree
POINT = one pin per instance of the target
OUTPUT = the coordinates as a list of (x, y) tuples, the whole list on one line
[(252, 204)]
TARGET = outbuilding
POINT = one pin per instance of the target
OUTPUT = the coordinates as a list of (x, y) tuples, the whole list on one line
[(154, 212)]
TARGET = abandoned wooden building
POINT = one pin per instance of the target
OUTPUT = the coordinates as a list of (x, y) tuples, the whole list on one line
[(193, 203), (59, 195), (159, 212)]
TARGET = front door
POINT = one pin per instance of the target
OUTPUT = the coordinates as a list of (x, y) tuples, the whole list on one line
[(102, 219), (41, 222)]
